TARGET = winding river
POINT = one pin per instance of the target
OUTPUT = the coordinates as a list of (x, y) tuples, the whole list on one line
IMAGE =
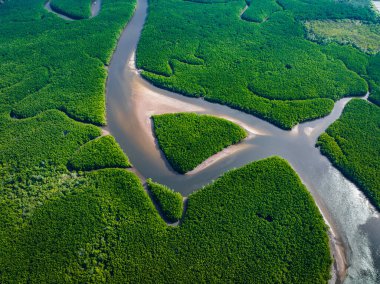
[(354, 223)]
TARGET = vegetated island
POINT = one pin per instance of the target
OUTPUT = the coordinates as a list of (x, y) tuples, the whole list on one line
[(273, 71), (75, 9), (352, 143), (61, 225), (169, 202), (187, 139), (255, 224), (100, 153)]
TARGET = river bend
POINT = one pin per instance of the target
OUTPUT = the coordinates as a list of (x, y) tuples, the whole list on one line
[(355, 224)]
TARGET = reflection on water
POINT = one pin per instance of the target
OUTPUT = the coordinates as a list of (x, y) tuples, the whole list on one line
[(131, 101)]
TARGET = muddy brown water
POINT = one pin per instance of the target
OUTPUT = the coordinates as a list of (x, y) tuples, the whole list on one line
[(131, 100)]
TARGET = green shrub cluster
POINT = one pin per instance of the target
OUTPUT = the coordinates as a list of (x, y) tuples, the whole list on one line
[(50, 63), (259, 11), (352, 144), (257, 224), (330, 9), (187, 139), (50, 135), (75, 9), (366, 66), (169, 202), (374, 75), (103, 152), (272, 71)]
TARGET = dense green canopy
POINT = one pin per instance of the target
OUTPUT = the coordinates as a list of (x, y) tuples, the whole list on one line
[(75, 9), (257, 224), (187, 139), (267, 67), (352, 143)]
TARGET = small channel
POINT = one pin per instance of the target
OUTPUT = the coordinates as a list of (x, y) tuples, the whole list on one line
[(131, 101), (95, 10)]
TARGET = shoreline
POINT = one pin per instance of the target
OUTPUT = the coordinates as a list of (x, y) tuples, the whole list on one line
[(123, 114), (94, 9), (228, 151), (338, 250), (148, 103)]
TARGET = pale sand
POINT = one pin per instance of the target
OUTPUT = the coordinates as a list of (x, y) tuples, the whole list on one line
[(377, 5), (132, 63), (147, 103), (308, 131), (218, 156), (242, 12), (295, 130), (337, 249), (105, 132)]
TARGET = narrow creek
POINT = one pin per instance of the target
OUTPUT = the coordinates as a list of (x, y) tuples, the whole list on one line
[(95, 9), (131, 101)]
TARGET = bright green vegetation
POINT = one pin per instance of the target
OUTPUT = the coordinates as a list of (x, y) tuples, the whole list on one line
[(327, 9), (259, 11), (366, 66), (272, 71), (50, 63), (75, 9), (366, 37), (169, 202), (374, 73), (103, 152), (187, 139), (51, 72), (48, 136), (257, 224), (352, 143)]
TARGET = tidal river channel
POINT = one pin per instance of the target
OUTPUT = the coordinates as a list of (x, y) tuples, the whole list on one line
[(354, 223)]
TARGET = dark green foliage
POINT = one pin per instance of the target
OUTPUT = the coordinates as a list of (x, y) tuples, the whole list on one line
[(187, 139), (375, 93), (103, 152), (48, 136), (374, 74), (257, 224), (74, 236), (260, 10), (353, 59), (75, 9), (352, 143), (330, 9), (272, 71), (50, 63), (366, 66), (47, 65), (169, 202)]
